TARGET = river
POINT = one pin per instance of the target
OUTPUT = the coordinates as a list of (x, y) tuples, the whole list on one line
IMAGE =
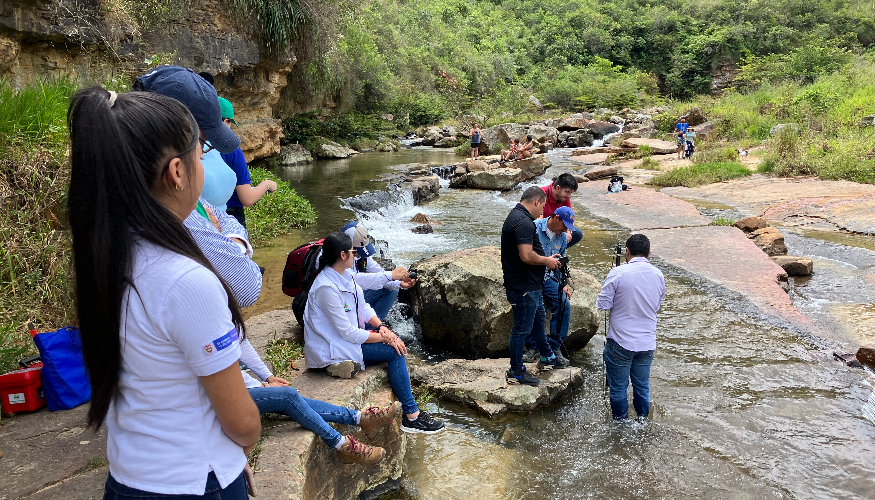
[(741, 408)]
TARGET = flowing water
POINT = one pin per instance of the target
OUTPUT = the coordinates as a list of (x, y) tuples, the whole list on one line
[(742, 408)]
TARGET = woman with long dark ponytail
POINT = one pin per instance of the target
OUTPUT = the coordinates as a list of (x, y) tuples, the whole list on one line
[(159, 326), (335, 338)]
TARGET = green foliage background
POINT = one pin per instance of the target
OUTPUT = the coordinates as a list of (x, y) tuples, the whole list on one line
[(438, 58)]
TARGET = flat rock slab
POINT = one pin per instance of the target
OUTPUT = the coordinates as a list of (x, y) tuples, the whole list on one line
[(656, 145), (714, 253), (601, 172), (806, 202), (481, 383), (639, 208), (591, 159), (45, 449)]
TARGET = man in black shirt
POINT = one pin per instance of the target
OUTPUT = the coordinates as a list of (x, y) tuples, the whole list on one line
[(523, 262)]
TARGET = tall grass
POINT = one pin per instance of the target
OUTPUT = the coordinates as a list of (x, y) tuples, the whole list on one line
[(35, 277), (701, 173), (278, 212)]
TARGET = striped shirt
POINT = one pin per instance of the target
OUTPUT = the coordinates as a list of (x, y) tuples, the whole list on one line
[(233, 264)]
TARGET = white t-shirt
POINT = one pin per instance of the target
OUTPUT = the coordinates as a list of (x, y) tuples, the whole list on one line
[(164, 436)]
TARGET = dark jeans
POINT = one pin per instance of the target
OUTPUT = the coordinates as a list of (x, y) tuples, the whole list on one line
[(554, 299), (114, 490), (312, 414), (620, 366), (576, 236), (240, 215), (381, 300), (399, 377), (528, 318)]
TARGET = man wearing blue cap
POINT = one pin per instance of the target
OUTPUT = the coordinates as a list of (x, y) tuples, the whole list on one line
[(552, 233), (220, 237), (380, 286)]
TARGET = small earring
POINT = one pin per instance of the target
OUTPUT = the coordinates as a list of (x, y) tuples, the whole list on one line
[(178, 187)]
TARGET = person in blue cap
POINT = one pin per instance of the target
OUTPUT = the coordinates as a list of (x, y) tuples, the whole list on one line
[(381, 287), (200, 97), (552, 233)]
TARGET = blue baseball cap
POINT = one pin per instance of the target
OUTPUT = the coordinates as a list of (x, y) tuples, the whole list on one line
[(199, 97), (567, 216), (361, 240)]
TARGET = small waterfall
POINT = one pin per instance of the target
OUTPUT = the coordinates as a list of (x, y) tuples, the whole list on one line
[(597, 143), (445, 172)]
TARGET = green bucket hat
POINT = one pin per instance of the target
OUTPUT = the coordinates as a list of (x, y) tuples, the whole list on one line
[(227, 110)]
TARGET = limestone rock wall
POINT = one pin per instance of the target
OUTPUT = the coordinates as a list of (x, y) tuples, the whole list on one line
[(97, 40)]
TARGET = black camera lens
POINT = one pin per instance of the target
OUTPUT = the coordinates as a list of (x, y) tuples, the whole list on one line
[(412, 274)]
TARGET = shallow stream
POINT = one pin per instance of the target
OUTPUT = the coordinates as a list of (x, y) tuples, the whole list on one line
[(742, 408)]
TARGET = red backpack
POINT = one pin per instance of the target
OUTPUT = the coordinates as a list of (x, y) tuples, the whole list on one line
[(299, 272)]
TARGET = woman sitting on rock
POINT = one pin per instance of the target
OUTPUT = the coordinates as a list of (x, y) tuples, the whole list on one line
[(527, 149), (272, 394), (335, 338), (510, 154)]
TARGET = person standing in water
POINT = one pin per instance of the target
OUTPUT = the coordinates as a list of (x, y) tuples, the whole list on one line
[(633, 293)]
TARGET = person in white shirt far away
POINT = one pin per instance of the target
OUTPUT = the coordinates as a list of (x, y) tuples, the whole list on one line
[(633, 293)]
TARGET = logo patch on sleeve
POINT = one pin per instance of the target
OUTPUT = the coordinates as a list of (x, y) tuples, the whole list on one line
[(226, 340)]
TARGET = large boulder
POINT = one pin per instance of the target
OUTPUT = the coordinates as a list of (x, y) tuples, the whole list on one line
[(535, 103), (694, 117), (770, 240), (431, 136), (543, 134), (463, 308), (502, 134), (656, 145), (531, 167), (502, 179), (866, 356), (793, 128), (331, 150), (422, 183), (293, 154), (600, 129), (481, 383)]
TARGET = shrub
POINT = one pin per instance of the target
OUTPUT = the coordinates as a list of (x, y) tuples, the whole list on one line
[(701, 173), (278, 212)]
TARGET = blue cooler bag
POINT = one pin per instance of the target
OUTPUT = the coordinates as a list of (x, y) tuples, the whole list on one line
[(64, 378)]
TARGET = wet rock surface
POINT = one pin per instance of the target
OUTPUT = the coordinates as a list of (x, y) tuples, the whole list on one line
[(797, 202), (591, 159), (640, 208), (489, 174), (601, 172), (866, 356), (463, 308), (482, 384), (795, 266), (770, 240)]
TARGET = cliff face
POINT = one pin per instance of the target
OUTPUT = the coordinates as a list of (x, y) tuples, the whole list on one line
[(96, 40)]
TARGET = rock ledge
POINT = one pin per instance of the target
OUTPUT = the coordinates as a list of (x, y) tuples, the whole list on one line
[(481, 383)]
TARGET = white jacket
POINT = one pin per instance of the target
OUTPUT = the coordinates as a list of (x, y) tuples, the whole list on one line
[(333, 319)]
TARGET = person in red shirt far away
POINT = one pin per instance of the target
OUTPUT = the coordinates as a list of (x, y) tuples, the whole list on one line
[(559, 195)]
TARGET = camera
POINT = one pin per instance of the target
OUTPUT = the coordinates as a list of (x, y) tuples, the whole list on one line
[(563, 261), (412, 274)]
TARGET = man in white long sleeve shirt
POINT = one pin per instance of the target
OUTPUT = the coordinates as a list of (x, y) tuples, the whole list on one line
[(633, 293), (380, 286)]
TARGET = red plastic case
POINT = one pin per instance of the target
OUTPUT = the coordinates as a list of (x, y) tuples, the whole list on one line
[(22, 390)]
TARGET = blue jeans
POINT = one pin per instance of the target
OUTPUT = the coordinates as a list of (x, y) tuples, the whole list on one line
[(381, 300), (621, 365), (528, 319), (399, 377), (114, 490), (558, 332), (310, 413), (576, 236)]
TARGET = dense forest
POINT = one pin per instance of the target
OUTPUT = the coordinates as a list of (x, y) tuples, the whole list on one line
[(442, 57)]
